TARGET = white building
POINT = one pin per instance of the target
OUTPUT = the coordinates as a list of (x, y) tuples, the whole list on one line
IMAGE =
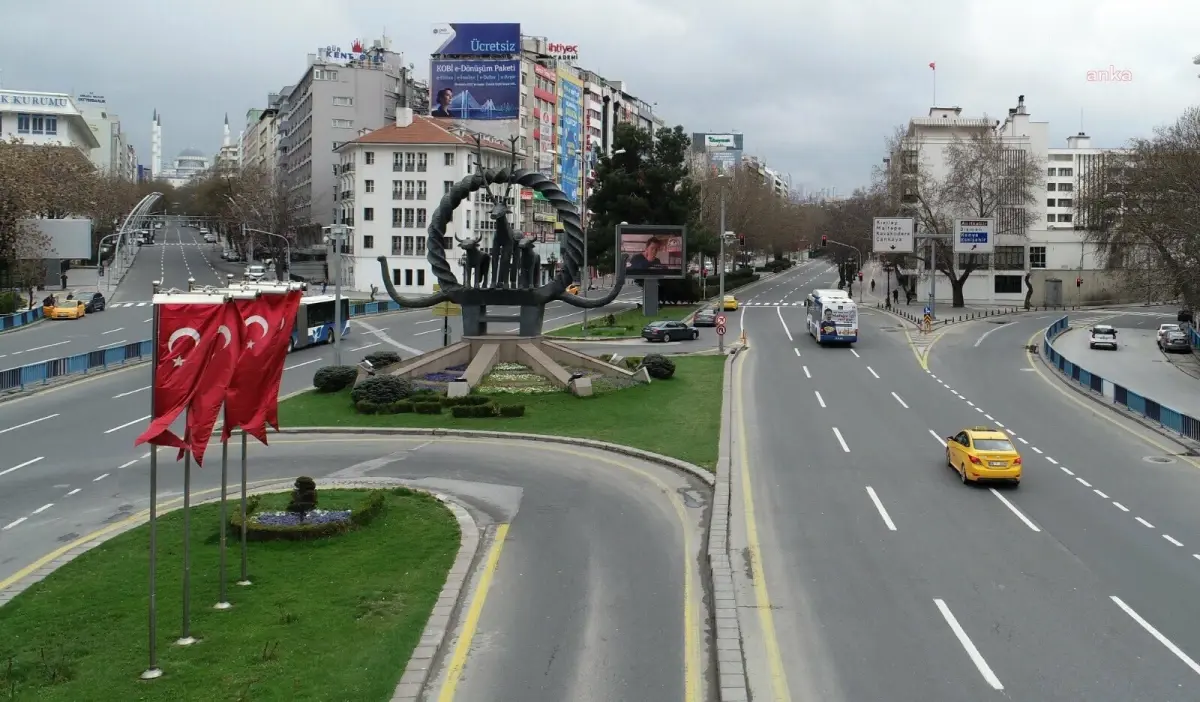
[(113, 154), (389, 182), (45, 119)]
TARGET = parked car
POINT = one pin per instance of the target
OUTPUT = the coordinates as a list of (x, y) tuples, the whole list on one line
[(1184, 317), (706, 317), (69, 309), (95, 304), (1163, 330), (1103, 335), (670, 331), (1174, 341)]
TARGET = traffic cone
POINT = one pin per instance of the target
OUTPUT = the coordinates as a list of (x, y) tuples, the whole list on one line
[(742, 338)]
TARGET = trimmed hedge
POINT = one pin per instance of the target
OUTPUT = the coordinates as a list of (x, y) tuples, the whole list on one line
[(465, 400), (381, 390), (427, 407), (479, 411), (379, 359), (334, 378), (361, 515), (400, 407)]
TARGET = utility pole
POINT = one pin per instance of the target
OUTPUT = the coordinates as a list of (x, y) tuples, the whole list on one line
[(721, 264), (932, 277)]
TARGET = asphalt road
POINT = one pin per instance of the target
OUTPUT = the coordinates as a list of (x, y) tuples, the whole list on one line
[(582, 606), (1137, 363), (889, 579)]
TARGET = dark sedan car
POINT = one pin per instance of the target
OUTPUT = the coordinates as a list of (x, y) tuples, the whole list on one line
[(706, 318), (1174, 341), (95, 304), (670, 331)]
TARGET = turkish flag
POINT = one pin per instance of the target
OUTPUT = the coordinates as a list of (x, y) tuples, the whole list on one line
[(253, 397), (933, 65), (206, 402), (187, 335)]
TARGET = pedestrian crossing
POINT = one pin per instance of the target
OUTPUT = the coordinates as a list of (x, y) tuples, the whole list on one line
[(114, 305), (771, 304)]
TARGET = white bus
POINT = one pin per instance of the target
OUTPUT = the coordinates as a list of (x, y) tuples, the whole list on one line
[(832, 317)]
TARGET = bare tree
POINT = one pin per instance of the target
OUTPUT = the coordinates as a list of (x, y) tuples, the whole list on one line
[(1138, 210), (770, 223), (985, 177)]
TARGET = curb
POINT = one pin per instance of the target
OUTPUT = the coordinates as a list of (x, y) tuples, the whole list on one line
[(1103, 401), (437, 629)]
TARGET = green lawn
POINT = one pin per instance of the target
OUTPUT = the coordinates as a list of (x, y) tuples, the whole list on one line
[(332, 619), (680, 417), (627, 323)]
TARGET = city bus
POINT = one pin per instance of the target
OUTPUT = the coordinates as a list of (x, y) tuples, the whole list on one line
[(832, 317), (314, 321)]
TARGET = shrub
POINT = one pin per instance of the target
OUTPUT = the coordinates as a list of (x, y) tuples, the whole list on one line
[(632, 362), (362, 514), (334, 378), (304, 496), (9, 302), (512, 410), (658, 366), (367, 407), (401, 407), (465, 400), (474, 411), (382, 389), (379, 359), (427, 407)]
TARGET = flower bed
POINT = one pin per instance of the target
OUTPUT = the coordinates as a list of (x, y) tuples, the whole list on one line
[(515, 379), (291, 519), (277, 525), (439, 380)]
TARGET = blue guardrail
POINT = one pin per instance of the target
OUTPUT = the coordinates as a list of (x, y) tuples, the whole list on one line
[(81, 364), (20, 319), (1176, 421)]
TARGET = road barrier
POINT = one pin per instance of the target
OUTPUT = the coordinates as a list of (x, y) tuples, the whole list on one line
[(20, 319), (1120, 395)]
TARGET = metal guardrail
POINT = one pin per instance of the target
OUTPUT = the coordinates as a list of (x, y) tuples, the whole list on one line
[(20, 319), (1152, 410), (15, 379)]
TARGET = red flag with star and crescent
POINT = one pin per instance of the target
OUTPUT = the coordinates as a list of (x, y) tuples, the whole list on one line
[(206, 403), (187, 336), (253, 395)]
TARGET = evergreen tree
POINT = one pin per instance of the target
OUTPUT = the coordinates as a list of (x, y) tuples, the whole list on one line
[(648, 184)]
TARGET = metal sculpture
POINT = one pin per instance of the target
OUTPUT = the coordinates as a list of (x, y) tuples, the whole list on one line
[(504, 274)]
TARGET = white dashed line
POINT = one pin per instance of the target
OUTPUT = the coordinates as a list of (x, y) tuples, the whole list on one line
[(131, 392), (965, 641), (1120, 506), (1157, 635), (1144, 523), (298, 365), (855, 353), (29, 423), (820, 399), (19, 466), (1021, 440), (125, 465), (1083, 482), (797, 352), (74, 492), (902, 403), (806, 373), (1013, 508), (999, 425), (48, 505), (1066, 470), (940, 440), (1051, 460), (990, 417), (126, 424), (841, 441), (1101, 494), (887, 520), (1172, 540), (15, 522), (1035, 448), (873, 372), (102, 477), (968, 401)]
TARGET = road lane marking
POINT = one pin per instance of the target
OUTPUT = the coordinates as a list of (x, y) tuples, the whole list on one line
[(1051, 460), (48, 505), (762, 598), (820, 399), (999, 425), (806, 373), (73, 492), (985, 334), (19, 466), (360, 348), (112, 331), (1120, 506), (131, 392), (429, 321), (873, 372), (112, 344), (968, 401), (15, 522), (39, 348), (940, 440), (1083, 482), (841, 441), (902, 403), (29, 423), (1036, 449), (1100, 494), (855, 353), (1014, 510), (1144, 523), (965, 641), (126, 424), (779, 311), (126, 464), (1021, 440), (1157, 634), (990, 417), (298, 365), (431, 331), (797, 352), (887, 520), (462, 648), (1168, 537), (1067, 470)]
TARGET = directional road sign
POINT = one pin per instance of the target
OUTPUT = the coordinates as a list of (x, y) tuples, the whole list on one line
[(892, 235), (720, 320), (721, 330)]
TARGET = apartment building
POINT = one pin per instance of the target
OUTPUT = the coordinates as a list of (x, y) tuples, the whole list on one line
[(45, 119), (112, 156), (389, 182)]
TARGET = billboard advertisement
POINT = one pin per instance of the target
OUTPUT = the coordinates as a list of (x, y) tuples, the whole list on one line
[(975, 236), (470, 39), (724, 161), (570, 134), (703, 141), (475, 90), (652, 251)]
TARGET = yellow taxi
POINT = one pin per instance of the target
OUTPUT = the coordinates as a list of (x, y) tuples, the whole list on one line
[(573, 288), (69, 309), (729, 303), (983, 454)]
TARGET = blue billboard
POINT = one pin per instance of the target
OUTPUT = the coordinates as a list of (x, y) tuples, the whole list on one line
[(466, 39), (487, 90), (570, 134)]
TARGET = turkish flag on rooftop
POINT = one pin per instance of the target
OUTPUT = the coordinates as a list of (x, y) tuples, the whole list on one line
[(252, 400), (206, 403), (187, 336)]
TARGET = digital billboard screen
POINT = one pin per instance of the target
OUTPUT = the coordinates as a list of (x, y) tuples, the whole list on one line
[(652, 251)]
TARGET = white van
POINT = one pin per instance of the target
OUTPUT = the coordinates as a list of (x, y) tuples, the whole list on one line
[(1103, 336), (256, 272)]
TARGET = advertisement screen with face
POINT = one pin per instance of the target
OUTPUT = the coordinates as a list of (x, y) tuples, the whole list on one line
[(653, 251)]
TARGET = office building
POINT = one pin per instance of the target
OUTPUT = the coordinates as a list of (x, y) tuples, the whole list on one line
[(45, 119), (113, 155)]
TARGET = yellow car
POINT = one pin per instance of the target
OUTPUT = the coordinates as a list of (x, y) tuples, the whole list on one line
[(69, 309), (730, 303), (983, 453)]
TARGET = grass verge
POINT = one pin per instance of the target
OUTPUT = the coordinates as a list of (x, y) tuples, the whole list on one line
[(621, 324), (329, 619), (680, 417)]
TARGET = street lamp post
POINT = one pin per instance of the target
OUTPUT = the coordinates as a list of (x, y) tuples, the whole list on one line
[(336, 234)]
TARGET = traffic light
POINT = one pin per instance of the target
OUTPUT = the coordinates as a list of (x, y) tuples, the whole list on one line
[(1078, 282), (860, 276), (824, 240), (741, 239)]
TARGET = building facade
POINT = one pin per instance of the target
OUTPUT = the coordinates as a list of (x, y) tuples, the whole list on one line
[(45, 119), (390, 180), (114, 153)]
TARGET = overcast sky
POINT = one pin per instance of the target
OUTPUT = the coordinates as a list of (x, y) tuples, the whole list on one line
[(814, 86)]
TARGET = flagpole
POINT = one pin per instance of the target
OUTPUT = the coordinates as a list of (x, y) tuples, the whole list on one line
[(223, 600), (186, 638), (934, 67), (153, 671), (245, 566)]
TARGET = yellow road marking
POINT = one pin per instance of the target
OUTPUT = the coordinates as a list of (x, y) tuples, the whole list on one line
[(1091, 408), (766, 619), (463, 649)]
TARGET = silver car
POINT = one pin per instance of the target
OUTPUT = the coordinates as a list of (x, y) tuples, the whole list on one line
[(705, 318)]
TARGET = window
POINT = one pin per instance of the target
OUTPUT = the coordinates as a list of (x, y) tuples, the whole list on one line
[(324, 74), (421, 218), (408, 276), (1008, 258), (421, 276), (1051, 172), (343, 101), (1066, 172), (1050, 187), (1066, 203), (1065, 217), (397, 215), (422, 189), (410, 217), (397, 161), (395, 276), (369, 185), (396, 248), (1007, 284), (408, 246), (410, 162), (368, 240), (370, 157), (447, 242), (1037, 256), (368, 215), (446, 185), (337, 145), (23, 124), (1050, 202), (343, 124), (448, 158), (1065, 187), (977, 261), (397, 189), (37, 124), (422, 162), (410, 190)]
